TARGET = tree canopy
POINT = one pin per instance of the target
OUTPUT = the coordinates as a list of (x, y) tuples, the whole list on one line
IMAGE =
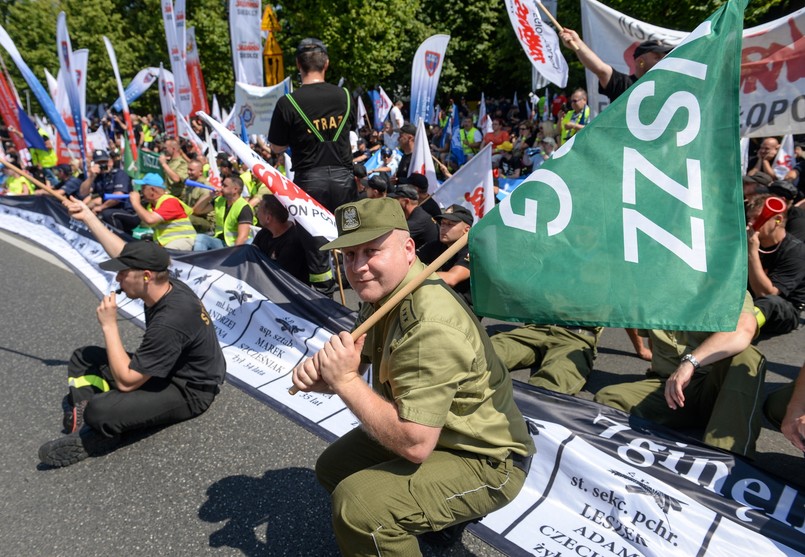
[(370, 42)]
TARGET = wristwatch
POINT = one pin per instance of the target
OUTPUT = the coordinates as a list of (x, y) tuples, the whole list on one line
[(693, 361)]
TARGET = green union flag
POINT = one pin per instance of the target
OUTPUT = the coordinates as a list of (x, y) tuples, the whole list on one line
[(638, 220)]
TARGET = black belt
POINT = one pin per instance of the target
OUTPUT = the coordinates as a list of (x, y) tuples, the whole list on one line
[(521, 462)]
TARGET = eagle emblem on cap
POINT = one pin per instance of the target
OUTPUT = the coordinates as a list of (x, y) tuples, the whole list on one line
[(350, 219)]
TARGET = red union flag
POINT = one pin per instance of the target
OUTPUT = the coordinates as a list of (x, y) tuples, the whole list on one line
[(305, 210), (472, 186), (539, 41)]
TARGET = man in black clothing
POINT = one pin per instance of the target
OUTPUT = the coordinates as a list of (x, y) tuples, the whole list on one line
[(314, 121), (454, 223), (279, 238), (776, 271), (406, 145), (173, 376), (428, 204), (420, 224), (611, 82)]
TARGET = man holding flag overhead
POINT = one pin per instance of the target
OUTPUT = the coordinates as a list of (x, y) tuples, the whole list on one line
[(314, 121)]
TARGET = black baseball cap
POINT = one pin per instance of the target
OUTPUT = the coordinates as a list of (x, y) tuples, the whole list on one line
[(405, 191), (139, 254), (310, 45), (651, 46), (420, 181), (783, 188), (100, 155), (456, 213)]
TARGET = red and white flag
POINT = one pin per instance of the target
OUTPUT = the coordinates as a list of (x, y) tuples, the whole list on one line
[(383, 106), (421, 161), (198, 90), (65, 51), (175, 48), (305, 210), (539, 41), (472, 186), (166, 88)]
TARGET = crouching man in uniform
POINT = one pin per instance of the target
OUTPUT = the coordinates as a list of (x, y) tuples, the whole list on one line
[(441, 441), (173, 376)]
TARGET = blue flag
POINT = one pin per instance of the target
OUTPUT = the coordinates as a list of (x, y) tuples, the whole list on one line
[(29, 132)]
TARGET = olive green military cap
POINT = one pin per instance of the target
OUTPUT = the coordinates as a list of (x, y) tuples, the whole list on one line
[(366, 220)]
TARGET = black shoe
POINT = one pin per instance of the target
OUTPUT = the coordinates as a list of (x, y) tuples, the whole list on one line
[(75, 447), (74, 417), (447, 537)]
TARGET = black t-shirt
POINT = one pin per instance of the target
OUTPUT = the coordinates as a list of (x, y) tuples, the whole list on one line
[(285, 250), (795, 225), (422, 227), (431, 207), (785, 267), (180, 340), (325, 106), (432, 250), (618, 84), (402, 168)]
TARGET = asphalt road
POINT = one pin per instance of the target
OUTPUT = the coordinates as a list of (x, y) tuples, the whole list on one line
[(236, 481)]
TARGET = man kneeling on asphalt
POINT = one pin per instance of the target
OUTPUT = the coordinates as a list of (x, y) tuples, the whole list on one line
[(441, 441), (173, 376)]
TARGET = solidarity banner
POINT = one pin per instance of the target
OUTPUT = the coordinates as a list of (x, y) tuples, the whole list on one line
[(647, 194), (539, 41), (175, 49), (198, 90), (64, 151), (425, 72), (126, 115), (39, 92), (139, 85), (244, 31), (772, 65), (255, 105), (421, 161), (382, 106), (471, 187), (602, 483), (784, 161), (305, 211), (70, 84)]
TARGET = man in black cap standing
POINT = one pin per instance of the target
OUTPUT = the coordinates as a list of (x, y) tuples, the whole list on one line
[(314, 121), (173, 376), (611, 82), (420, 224)]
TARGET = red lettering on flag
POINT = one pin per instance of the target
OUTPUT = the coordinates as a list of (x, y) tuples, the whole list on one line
[(527, 34), (764, 65), (477, 199)]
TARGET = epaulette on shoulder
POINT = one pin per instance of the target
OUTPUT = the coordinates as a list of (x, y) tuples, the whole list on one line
[(407, 314)]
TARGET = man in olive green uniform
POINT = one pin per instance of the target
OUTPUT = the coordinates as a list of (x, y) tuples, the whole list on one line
[(441, 441), (174, 167), (564, 355), (700, 379), (202, 223)]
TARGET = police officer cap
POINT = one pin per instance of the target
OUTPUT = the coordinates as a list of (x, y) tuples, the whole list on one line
[(366, 220), (139, 254), (651, 46), (100, 155), (310, 45)]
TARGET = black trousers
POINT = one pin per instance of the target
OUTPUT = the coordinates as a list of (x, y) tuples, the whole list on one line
[(331, 186), (157, 402), (781, 315)]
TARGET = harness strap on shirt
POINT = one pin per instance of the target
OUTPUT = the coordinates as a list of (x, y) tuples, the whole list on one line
[(310, 124)]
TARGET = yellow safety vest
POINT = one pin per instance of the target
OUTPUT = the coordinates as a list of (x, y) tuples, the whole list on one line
[(228, 226), (169, 230), (15, 186), (465, 140)]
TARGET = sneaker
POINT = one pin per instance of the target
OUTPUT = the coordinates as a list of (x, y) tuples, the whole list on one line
[(74, 417), (75, 447), (447, 537)]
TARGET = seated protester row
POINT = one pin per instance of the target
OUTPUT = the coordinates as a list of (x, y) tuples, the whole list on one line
[(233, 216), (279, 238), (420, 223), (167, 215), (776, 271), (454, 223), (700, 379)]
